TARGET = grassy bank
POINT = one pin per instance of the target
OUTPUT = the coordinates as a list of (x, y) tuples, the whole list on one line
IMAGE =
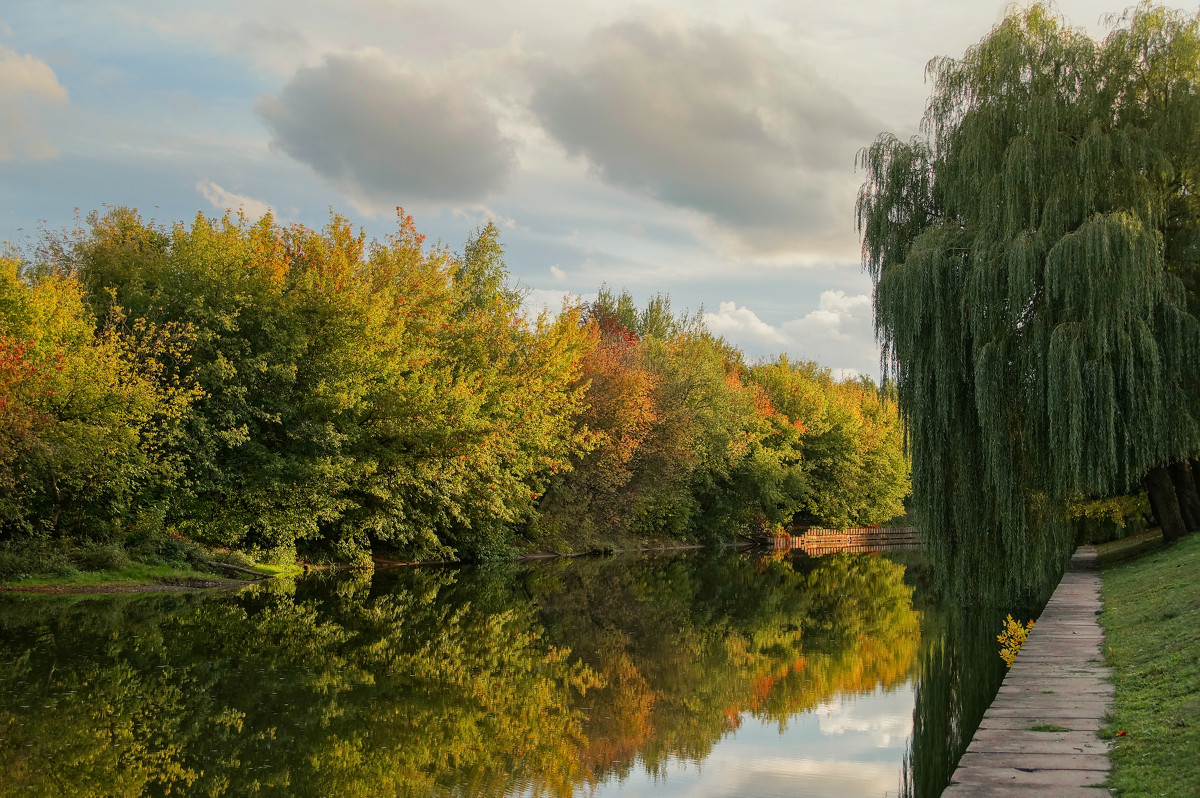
[(1152, 628), (87, 566), (135, 574)]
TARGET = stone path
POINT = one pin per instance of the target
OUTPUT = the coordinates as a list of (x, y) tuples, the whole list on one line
[(1059, 679)]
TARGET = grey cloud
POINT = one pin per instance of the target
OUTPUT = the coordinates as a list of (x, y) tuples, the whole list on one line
[(384, 135), (722, 121)]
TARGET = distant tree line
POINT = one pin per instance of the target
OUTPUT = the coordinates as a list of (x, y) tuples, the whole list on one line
[(260, 386)]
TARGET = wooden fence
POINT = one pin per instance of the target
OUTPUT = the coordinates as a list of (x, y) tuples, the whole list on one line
[(815, 541)]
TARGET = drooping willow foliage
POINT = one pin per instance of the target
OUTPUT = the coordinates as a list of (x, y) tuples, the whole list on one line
[(1035, 254)]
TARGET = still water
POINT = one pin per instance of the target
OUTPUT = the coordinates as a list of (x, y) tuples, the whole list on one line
[(699, 674)]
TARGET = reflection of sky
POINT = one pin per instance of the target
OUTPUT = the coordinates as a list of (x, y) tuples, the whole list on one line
[(848, 746)]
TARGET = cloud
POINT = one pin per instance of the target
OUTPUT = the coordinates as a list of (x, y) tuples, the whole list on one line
[(848, 714), (24, 78), (723, 121), (385, 135), (224, 200), (838, 317), (549, 300), (739, 324), (839, 333), (557, 273)]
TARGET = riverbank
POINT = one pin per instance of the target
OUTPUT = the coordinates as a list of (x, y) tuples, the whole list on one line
[(143, 577), (1151, 621), (109, 568), (107, 584), (39, 571)]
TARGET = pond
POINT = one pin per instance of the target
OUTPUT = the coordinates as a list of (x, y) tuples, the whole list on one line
[(696, 674)]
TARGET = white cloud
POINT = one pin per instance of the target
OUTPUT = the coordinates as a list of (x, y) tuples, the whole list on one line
[(549, 300), (558, 273), (479, 215), (742, 323), (837, 334), (224, 200), (838, 317), (24, 80)]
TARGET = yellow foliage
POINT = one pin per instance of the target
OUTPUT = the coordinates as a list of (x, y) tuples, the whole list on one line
[(1012, 638)]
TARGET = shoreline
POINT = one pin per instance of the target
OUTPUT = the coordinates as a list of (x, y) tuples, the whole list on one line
[(184, 583), (180, 585), (538, 556)]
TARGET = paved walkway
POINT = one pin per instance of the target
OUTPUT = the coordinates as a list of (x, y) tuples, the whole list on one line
[(1059, 679)]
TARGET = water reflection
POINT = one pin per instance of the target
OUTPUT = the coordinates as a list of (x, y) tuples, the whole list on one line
[(557, 679), (958, 674)]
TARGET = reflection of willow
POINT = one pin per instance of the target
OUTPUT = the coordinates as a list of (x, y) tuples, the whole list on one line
[(436, 682), (959, 673)]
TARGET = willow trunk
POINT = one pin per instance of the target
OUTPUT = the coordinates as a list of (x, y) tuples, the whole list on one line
[(1185, 490), (1165, 503)]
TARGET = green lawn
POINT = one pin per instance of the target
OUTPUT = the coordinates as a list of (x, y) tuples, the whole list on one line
[(289, 569), (1151, 623), (1134, 546)]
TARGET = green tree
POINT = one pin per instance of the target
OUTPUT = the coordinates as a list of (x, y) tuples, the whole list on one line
[(354, 392), (688, 445), (1032, 255), (850, 449), (87, 419)]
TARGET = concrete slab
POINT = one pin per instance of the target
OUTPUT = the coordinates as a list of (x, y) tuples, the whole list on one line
[(1018, 790), (1026, 761), (1052, 780), (1029, 743), (1031, 721), (1053, 687)]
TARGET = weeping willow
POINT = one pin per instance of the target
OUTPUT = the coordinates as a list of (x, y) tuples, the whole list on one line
[(1035, 254)]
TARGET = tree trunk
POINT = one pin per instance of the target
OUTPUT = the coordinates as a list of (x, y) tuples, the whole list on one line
[(1185, 490), (1165, 503)]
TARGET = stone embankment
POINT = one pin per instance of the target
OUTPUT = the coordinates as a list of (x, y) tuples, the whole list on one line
[(1039, 735)]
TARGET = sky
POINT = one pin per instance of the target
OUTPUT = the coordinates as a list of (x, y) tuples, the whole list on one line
[(848, 745), (704, 150)]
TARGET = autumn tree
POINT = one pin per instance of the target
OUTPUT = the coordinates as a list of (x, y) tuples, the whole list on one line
[(849, 444), (87, 420), (353, 392)]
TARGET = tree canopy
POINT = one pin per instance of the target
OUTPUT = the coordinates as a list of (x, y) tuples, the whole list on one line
[(1035, 254), (266, 387)]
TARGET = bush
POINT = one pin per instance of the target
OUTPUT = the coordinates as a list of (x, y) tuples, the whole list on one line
[(33, 558), (101, 557)]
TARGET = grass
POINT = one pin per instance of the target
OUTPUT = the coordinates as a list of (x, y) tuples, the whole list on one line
[(1129, 548), (1151, 622), (135, 574), (285, 570), (84, 564)]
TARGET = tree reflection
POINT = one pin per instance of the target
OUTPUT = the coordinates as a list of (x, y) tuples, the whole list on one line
[(541, 680), (959, 672)]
